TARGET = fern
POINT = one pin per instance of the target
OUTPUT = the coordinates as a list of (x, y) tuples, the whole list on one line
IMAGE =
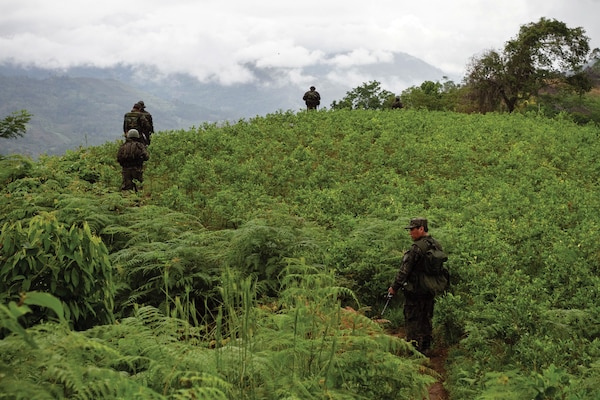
[(14, 167), (156, 273), (313, 342)]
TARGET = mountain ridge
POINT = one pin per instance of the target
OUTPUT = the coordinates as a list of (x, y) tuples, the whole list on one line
[(84, 106)]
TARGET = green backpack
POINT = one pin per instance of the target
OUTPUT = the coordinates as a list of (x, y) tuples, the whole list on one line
[(313, 97), (435, 278), (135, 120)]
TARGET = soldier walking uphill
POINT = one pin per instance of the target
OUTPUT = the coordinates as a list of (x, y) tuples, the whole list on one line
[(150, 125), (136, 119), (312, 98), (419, 301), (131, 157)]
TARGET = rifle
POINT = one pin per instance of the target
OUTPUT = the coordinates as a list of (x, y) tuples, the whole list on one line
[(389, 297)]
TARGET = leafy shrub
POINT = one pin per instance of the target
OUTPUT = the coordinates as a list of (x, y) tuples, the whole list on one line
[(69, 262)]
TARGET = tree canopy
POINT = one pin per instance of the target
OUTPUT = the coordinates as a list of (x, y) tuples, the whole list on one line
[(440, 96), (369, 96), (543, 53), (14, 125)]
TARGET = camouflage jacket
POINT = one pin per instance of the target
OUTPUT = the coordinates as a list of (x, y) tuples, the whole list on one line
[(410, 273), (312, 97), (149, 123), (132, 154), (136, 120)]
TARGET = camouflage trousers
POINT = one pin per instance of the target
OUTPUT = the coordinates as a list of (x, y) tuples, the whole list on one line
[(129, 174), (418, 315)]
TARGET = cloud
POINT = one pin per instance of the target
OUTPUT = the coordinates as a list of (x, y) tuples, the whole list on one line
[(216, 40), (361, 57)]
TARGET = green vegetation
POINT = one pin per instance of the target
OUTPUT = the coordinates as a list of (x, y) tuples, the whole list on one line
[(369, 96), (548, 68), (436, 96), (231, 274), (543, 53), (14, 124)]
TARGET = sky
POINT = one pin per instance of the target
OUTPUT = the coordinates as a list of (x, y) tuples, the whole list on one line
[(215, 40)]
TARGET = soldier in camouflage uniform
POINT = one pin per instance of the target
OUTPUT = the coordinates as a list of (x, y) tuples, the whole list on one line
[(150, 125), (397, 104), (418, 301), (312, 98), (131, 157), (136, 119)]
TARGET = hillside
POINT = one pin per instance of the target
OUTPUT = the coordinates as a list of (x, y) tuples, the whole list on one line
[(253, 262), (85, 106), (72, 112)]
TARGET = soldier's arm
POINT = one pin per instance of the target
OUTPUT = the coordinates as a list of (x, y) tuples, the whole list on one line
[(405, 269), (145, 156)]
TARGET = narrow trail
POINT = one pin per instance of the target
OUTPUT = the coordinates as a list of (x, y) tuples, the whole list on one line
[(437, 362)]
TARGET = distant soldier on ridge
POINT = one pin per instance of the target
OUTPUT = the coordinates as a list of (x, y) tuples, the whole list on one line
[(312, 98), (136, 119), (397, 104)]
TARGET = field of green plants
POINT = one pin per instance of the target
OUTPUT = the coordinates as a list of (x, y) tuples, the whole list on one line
[(254, 261)]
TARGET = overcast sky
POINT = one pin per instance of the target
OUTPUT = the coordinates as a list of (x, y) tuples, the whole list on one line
[(214, 39)]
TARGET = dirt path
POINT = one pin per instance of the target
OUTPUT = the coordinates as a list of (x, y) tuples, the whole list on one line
[(437, 362)]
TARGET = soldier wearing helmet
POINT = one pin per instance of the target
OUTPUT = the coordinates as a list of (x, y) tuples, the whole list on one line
[(397, 104), (131, 157), (312, 98)]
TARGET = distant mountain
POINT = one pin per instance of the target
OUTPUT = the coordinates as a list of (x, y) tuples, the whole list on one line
[(84, 106)]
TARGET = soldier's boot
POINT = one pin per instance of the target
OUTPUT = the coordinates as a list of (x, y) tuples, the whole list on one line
[(424, 346)]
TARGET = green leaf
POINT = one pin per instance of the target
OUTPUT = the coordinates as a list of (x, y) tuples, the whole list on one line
[(9, 320), (45, 300), (17, 311), (74, 277)]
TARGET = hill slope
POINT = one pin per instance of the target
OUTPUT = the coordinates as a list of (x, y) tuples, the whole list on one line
[(85, 105), (272, 222)]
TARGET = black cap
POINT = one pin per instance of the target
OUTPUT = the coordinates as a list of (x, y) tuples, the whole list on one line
[(417, 223)]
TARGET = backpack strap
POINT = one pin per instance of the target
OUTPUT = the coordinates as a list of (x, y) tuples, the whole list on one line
[(424, 244)]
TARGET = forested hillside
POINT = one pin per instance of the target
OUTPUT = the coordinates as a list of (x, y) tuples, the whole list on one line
[(254, 261)]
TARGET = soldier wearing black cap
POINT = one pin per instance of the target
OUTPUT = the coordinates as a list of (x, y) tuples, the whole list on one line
[(136, 119), (418, 302), (148, 129)]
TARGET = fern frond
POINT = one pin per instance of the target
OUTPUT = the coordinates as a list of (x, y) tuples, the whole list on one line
[(78, 209)]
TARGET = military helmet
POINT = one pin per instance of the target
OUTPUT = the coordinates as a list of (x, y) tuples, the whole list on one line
[(417, 223), (133, 133), (312, 88), (141, 104)]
